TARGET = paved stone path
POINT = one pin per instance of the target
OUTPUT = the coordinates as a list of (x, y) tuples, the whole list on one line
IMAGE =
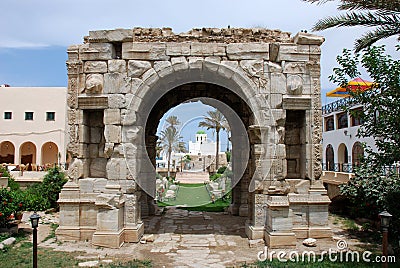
[(187, 239), (199, 239)]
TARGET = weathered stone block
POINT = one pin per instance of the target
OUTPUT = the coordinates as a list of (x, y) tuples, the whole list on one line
[(96, 51), (94, 83), (117, 35), (116, 83), (112, 133), (247, 51), (178, 49), (117, 101), (128, 117), (196, 62), (98, 168), (292, 52), (137, 67), (207, 49), (144, 51), (179, 63), (112, 117), (117, 66), (95, 67)]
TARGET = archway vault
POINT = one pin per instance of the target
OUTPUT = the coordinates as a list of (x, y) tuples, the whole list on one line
[(120, 83)]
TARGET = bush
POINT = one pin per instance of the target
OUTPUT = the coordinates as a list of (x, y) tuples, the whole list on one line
[(41, 196), (221, 170), (215, 176)]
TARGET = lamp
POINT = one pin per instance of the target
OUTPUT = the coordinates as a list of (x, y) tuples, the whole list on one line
[(385, 219), (35, 223), (34, 220), (345, 133)]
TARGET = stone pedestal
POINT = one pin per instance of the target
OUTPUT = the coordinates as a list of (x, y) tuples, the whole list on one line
[(278, 231), (254, 232), (69, 229), (132, 234), (318, 211), (110, 221)]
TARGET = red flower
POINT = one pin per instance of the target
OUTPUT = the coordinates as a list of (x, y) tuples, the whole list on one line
[(20, 204), (1, 214)]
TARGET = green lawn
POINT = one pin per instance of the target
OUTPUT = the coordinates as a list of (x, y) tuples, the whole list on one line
[(190, 195), (195, 197)]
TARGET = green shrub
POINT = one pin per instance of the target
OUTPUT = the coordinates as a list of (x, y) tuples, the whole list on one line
[(221, 170), (215, 176), (42, 196)]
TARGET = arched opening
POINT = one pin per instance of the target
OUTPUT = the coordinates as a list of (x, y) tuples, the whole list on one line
[(343, 158), (49, 153), (233, 108), (330, 158), (357, 153), (28, 154), (7, 152)]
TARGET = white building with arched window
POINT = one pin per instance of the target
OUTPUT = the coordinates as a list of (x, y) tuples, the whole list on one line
[(32, 125), (342, 149)]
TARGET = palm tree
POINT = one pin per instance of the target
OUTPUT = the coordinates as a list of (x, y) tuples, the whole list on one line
[(227, 128), (173, 121), (214, 120), (383, 15), (171, 141)]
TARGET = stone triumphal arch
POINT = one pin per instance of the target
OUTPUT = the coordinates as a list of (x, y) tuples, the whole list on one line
[(267, 84)]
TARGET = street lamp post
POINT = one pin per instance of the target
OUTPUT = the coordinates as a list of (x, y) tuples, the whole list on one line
[(385, 221), (35, 222)]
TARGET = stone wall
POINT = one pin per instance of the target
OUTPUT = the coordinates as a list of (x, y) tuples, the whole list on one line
[(121, 82)]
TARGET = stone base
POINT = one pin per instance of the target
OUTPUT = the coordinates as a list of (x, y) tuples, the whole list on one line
[(133, 235), (234, 209), (68, 233), (87, 233), (279, 240), (244, 210), (320, 232), (108, 239), (301, 232), (254, 232)]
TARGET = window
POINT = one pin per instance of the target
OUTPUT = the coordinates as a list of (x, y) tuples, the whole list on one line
[(7, 115), (28, 115), (50, 116), (342, 120), (356, 119), (329, 124)]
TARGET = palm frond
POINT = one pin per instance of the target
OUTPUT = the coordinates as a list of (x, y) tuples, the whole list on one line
[(373, 36), (357, 19), (383, 5), (319, 2)]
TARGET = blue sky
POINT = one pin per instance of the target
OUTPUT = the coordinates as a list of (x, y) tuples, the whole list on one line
[(35, 34)]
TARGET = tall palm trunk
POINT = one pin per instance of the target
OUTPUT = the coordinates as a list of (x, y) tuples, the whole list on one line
[(217, 152), (169, 162)]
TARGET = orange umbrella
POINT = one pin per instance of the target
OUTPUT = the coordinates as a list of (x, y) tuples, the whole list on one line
[(357, 84)]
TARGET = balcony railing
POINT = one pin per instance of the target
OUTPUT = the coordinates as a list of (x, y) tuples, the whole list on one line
[(338, 167), (338, 105), (349, 168)]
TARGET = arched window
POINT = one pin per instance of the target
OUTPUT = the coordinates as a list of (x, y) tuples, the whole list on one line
[(329, 124), (330, 158), (7, 152), (27, 153), (343, 120), (357, 153)]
